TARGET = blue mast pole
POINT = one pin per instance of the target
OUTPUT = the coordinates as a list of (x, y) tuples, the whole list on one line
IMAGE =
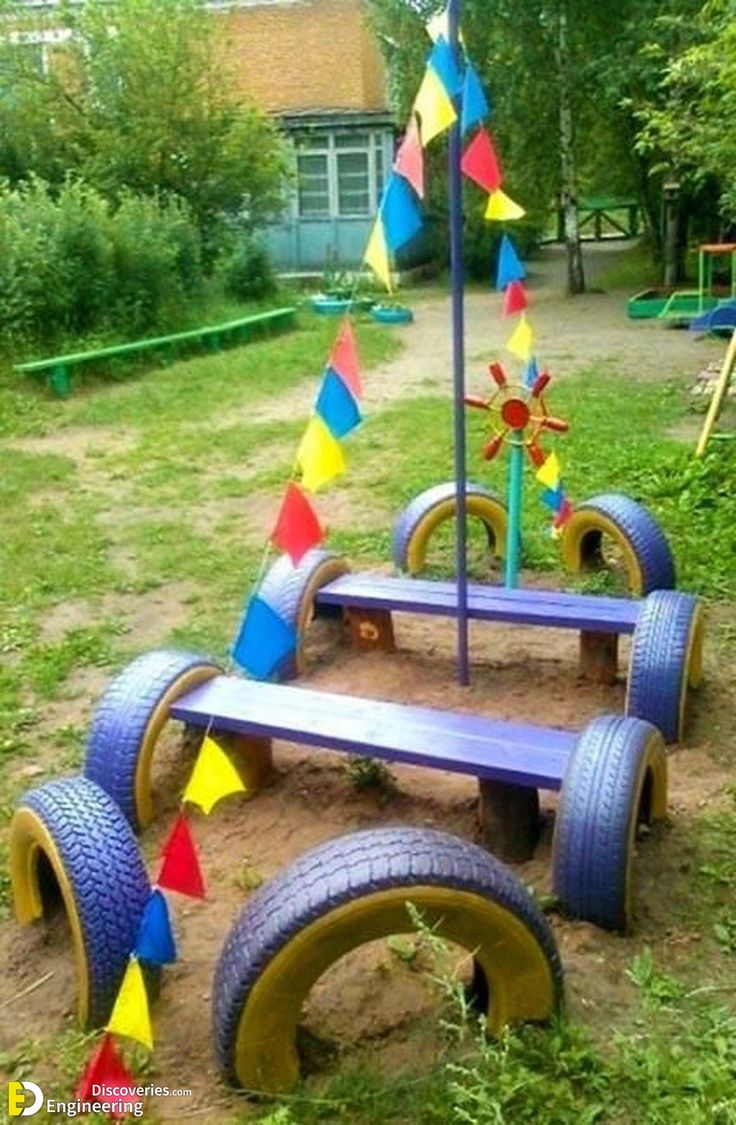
[(458, 354)]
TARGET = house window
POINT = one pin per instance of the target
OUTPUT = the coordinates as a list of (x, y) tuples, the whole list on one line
[(340, 175), (314, 185)]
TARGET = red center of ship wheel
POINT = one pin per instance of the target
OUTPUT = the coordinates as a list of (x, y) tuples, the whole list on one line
[(515, 413)]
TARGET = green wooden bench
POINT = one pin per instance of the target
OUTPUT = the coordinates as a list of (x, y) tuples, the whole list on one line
[(57, 369)]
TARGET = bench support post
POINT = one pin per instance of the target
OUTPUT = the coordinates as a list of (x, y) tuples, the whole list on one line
[(371, 630), (509, 820), (252, 757), (599, 657)]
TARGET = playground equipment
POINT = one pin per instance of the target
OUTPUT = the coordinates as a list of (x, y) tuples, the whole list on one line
[(684, 304)]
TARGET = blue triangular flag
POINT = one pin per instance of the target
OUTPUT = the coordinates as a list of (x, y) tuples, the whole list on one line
[(553, 498), (475, 102), (336, 406), (532, 372), (155, 941), (264, 640), (443, 63), (400, 213), (510, 266)]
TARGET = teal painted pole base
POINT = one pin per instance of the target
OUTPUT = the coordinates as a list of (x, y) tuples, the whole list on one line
[(513, 540)]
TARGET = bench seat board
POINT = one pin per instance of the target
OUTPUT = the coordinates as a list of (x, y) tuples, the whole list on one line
[(156, 341), (514, 753), (551, 608)]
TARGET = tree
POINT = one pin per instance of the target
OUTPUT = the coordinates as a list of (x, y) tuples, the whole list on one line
[(138, 97)]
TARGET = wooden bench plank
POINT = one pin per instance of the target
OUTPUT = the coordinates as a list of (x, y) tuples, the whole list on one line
[(550, 608), (513, 753), (256, 319)]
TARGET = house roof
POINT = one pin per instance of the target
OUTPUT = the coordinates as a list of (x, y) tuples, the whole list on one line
[(297, 56)]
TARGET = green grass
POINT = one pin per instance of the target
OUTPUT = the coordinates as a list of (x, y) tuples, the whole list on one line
[(169, 476)]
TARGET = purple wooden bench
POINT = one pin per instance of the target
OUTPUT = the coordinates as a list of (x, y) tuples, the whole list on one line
[(600, 620), (511, 761)]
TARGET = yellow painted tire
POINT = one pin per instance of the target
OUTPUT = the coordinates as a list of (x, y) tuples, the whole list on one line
[(69, 836), (290, 591), (420, 519), (616, 778), (353, 890), (129, 721), (644, 553), (666, 661)]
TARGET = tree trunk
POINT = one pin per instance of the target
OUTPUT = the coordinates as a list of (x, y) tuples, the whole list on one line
[(575, 273)]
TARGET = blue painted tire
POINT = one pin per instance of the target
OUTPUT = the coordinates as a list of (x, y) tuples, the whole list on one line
[(646, 554), (391, 316), (352, 890), (666, 661), (88, 844), (616, 778), (290, 591), (419, 519), (331, 306), (128, 721)]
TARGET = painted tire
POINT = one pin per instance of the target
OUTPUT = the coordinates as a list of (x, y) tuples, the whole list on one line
[(421, 517), (353, 890), (290, 591), (89, 846), (666, 660), (391, 316), (646, 554), (616, 778), (128, 721)]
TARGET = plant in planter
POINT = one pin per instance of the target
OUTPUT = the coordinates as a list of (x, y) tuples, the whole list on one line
[(392, 312)]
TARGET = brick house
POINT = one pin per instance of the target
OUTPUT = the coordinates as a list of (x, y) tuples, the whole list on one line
[(316, 66)]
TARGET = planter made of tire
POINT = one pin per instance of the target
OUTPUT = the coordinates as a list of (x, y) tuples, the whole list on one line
[(353, 890), (331, 306), (73, 828), (645, 553), (616, 779), (129, 720), (387, 315), (290, 591), (422, 516), (666, 661)]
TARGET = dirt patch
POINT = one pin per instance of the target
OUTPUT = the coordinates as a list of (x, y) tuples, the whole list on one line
[(79, 443), (147, 617), (375, 1005)]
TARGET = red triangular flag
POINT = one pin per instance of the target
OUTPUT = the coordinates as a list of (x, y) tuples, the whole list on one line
[(514, 299), (106, 1068), (409, 161), (480, 162), (344, 358), (564, 514), (180, 870), (297, 527)]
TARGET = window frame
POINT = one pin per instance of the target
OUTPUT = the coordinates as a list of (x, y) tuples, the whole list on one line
[(375, 148)]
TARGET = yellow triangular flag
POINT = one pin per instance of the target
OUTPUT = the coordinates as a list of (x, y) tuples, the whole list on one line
[(213, 777), (376, 254), (320, 456), (434, 106), (130, 1014), (503, 208), (522, 339), (549, 474)]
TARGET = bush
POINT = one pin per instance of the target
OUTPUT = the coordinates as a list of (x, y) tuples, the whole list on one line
[(71, 264), (249, 274)]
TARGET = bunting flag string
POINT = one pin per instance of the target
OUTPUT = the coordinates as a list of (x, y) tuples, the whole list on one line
[(155, 942), (297, 527), (514, 299), (320, 456), (480, 162), (475, 105), (180, 870), (502, 208), (130, 1016), (401, 217), (521, 340), (213, 777), (510, 266), (409, 161), (376, 254), (434, 106)]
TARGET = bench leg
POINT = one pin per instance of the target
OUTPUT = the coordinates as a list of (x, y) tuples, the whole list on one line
[(599, 657), (509, 820), (252, 757), (60, 380), (371, 630)]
